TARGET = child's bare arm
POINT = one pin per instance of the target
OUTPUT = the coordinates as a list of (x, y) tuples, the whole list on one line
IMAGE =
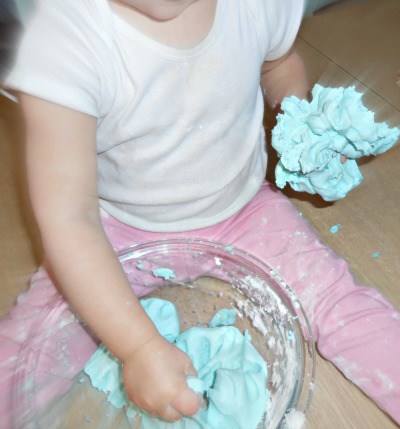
[(284, 77), (61, 163), (62, 176)]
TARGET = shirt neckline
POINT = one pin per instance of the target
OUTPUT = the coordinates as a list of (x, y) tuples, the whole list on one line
[(163, 49)]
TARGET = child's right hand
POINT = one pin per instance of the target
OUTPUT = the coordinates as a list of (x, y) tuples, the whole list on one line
[(155, 380)]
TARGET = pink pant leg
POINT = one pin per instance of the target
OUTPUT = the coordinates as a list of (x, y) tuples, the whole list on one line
[(36, 315), (41, 315), (356, 327), (14, 329)]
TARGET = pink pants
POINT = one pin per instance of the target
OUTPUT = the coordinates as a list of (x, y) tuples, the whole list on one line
[(354, 326)]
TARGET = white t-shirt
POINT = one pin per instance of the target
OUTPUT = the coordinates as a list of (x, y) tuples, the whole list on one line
[(180, 140)]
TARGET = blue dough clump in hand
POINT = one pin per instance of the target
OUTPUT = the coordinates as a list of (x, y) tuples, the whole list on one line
[(310, 138)]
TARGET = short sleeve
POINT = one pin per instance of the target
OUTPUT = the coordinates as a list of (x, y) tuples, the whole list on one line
[(56, 58), (280, 20)]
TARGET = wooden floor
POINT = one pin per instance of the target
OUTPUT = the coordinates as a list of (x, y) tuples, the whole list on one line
[(354, 45)]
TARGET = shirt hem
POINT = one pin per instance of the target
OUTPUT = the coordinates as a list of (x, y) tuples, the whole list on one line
[(179, 226)]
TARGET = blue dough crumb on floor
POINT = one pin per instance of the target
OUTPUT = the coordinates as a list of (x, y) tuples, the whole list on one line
[(231, 373), (311, 137), (335, 228)]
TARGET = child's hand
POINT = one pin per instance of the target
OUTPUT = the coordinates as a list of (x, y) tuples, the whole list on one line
[(155, 380)]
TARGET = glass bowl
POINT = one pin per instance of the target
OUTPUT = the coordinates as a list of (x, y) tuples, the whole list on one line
[(206, 276)]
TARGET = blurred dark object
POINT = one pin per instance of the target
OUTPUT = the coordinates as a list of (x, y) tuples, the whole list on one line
[(10, 27)]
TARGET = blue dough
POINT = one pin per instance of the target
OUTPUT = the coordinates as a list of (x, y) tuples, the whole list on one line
[(223, 317), (231, 373), (310, 138), (165, 273)]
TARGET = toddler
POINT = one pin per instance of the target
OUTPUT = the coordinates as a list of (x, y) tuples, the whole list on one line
[(144, 120)]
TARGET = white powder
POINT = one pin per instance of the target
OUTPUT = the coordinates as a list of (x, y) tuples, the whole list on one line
[(294, 419), (386, 383), (254, 315)]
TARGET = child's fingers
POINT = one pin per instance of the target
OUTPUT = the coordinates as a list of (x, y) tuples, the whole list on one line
[(169, 414), (189, 370), (187, 402)]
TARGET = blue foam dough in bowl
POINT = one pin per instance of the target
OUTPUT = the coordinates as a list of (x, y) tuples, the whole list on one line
[(230, 372)]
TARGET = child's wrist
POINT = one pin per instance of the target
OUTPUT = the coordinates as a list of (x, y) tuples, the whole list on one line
[(131, 349)]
